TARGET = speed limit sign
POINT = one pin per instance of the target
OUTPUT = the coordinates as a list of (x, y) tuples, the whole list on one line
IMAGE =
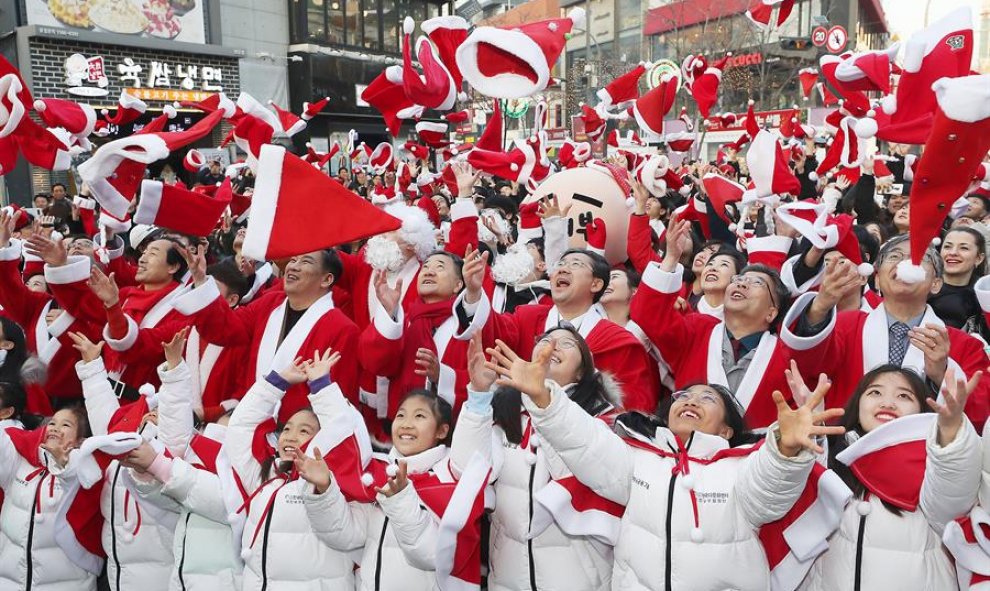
[(818, 36)]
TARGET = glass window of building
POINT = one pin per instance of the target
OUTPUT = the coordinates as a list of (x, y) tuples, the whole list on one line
[(371, 19), (390, 26), (335, 21), (352, 18), (315, 23)]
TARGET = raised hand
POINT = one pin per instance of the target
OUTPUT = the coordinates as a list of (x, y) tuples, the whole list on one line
[(140, 458), (529, 377), (88, 350), (678, 242), (427, 365), (320, 365), (466, 177), (59, 450), (482, 378), (799, 389), (103, 287), (955, 393), (641, 194), (841, 276), (313, 470), (295, 373), (50, 251), (396, 483), (7, 223), (550, 207), (799, 427), (933, 341), (473, 272), (388, 296), (174, 348), (196, 262)]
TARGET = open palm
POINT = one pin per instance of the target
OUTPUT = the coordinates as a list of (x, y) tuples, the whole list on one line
[(529, 377)]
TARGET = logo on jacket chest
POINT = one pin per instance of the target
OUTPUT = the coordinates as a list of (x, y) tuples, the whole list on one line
[(717, 497)]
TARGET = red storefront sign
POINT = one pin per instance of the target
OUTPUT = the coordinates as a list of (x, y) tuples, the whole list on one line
[(766, 119)]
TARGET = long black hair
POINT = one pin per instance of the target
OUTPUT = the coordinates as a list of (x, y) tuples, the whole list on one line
[(590, 392), (10, 371), (850, 420)]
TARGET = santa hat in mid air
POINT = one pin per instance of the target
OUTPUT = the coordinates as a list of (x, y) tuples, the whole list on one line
[(705, 87), (189, 212), (951, 160), (418, 151), (808, 78), (193, 161), (594, 125), (848, 147), (518, 164), (624, 90), (295, 209), (76, 118), (435, 88), (432, 134), (682, 141), (824, 231), (129, 108), (651, 108), (721, 191), (457, 117), (290, 123), (760, 13), (447, 33), (214, 102), (768, 167), (574, 154), (515, 62), (311, 110), (386, 94), (381, 158), (491, 137)]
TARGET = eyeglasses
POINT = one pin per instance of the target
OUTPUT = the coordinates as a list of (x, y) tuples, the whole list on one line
[(706, 398), (562, 344), (754, 281), (571, 265)]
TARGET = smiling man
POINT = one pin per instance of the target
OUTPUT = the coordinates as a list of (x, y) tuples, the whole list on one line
[(281, 325)]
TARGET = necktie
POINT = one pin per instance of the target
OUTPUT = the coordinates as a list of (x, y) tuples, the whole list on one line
[(898, 342)]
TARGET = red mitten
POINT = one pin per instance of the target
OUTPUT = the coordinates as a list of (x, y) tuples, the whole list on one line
[(529, 218), (596, 235)]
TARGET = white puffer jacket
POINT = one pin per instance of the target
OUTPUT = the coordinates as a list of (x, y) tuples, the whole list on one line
[(205, 555), (655, 549), (286, 554), (30, 557), (398, 533), (137, 536), (551, 561), (905, 551)]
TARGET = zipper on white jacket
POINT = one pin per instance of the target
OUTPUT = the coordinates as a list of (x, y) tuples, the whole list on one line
[(182, 557), (529, 539), (29, 576), (378, 556), (858, 580), (264, 544), (113, 524)]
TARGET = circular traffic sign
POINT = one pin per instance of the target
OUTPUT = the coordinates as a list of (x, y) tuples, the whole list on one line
[(660, 69), (818, 36), (836, 39)]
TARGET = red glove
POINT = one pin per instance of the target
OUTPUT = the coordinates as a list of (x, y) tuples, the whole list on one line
[(528, 216), (596, 234)]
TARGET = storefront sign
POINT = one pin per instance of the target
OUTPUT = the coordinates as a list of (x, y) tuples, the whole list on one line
[(746, 59), (178, 20), (765, 119), (86, 76), (163, 74)]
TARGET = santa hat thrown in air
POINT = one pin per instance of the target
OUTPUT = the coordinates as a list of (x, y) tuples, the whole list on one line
[(518, 164), (624, 90), (828, 97), (387, 96), (951, 160), (214, 102), (573, 154), (182, 210), (129, 108), (761, 13), (76, 118), (432, 134), (722, 191), (381, 158), (768, 167), (193, 161), (881, 171), (705, 87), (491, 137), (290, 123), (594, 125), (968, 539), (311, 110), (848, 147), (866, 71), (515, 62), (435, 87), (825, 232), (682, 141), (457, 117), (651, 108), (808, 77), (286, 221), (418, 151), (447, 33)]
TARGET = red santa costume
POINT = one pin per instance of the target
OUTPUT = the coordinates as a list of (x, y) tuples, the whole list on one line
[(260, 326), (217, 378), (693, 346)]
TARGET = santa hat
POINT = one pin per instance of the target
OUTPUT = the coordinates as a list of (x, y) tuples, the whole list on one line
[(129, 108), (432, 134), (828, 97), (491, 137), (651, 174), (435, 88), (387, 96), (289, 122), (890, 460), (457, 117), (22, 218), (613, 138), (381, 158), (760, 13), (447, 33), (594, 125), (692, 67), (214, 102), (418, 151), (15, 98), (182, 210), (943, 50), (722, 191), (768, 167), (624, 90), (517, 60), (825, 232), (311, 110), (517, 164), (951, 160), (652, 107), (866, 71), (76, 118), (848, 148), (968, 540), (573, 154), (881, 171), (682, 141), (722, 120), (193, 161), (705, 87), (808, 77), (287, 221), (427, 205)]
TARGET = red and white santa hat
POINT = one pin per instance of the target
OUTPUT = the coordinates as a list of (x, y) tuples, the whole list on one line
[(761, 13), (848, 148), (968, 540), (447, 33), (193, 161), (808, 77), (284, 221), (432, 134), (825, 231), (457, 117), (624, 90), (435, 87), (682, 141), (865, 71), (721, 191), (418, 151), (594, 125), (387, 95), (705, 87), (381, 158), (289, 122), (77, 118), (129, 108), (518, 164), (517, 60), (214, 102), (768, 167), (881, 171), (691, 67), (573, 154), (651, 108), (311, 110), (182, 210)]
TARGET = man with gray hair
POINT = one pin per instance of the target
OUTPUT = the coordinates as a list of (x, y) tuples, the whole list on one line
[(903, 330)]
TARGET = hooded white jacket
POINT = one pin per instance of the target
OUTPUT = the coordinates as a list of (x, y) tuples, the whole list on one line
[(655, 549), (286, 552), (30, 556), (905, 551), (137, 536)]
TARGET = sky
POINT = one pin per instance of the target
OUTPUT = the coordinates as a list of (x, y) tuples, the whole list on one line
[(907, 16)]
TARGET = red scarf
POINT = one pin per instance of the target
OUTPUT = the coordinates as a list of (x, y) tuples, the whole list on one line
[(138, 301), (423, 320)]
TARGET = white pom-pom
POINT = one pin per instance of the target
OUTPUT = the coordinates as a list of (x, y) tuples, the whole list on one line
[(462, 96), (169, 111), (706, 123), (552, 26), (104, 111), (391, 470), (910, 273), (866, 128), (577, 16), (408, 25), (889, 104), (685, 190), (696, 536), (39, 517), (176, 105), (813, 176), (534, 441), (687, 481), (728, 54), (39, 105), (530, 458), (750, 102), (871, 113), (146, 390), (514, 167), (367, 479), (246, 554), (936, 241), (804, 98), (865, 269), (864, 508)]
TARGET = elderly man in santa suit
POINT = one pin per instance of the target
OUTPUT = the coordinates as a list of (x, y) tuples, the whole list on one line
[(740, 352), (902, 330), (280, 326)]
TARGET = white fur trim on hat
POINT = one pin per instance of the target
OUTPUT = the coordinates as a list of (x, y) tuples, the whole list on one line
[(428, 126), (443, 22), (924, 42), (151, 200), (965, 99), (267, 186), (504, 85)]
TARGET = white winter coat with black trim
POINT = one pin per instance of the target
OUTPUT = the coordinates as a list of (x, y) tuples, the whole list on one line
[(398, 554), (137, 536), (560, 562), (655, 549), (287, 554), (27, 538), (905, 551)]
